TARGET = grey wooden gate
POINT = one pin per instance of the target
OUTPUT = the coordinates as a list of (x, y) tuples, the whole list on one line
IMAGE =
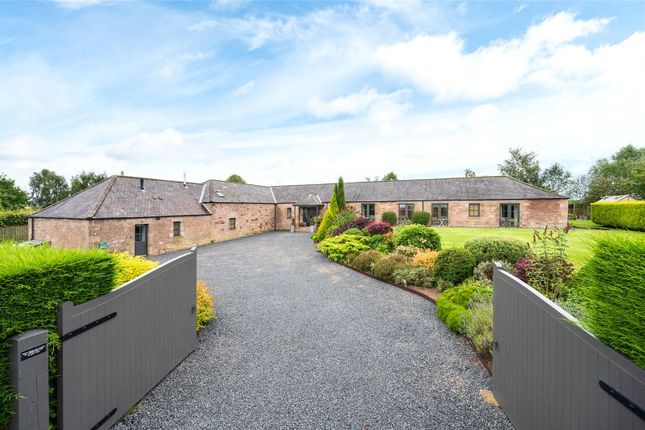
[(548, 373), (119, 346)]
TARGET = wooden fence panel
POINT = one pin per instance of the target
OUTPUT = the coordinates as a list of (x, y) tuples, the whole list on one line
[(119, 346), (549, 372), (19, 233)]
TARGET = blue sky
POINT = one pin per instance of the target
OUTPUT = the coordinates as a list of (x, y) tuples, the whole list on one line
[(292, 92)]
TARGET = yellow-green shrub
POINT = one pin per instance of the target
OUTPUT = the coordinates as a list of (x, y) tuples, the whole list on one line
[(129, 267), (629, 215), (425, 258), (205, 310)]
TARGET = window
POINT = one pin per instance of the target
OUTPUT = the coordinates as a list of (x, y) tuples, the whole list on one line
[(289, 213), (368, 210), (231, 223), (176, 228), (440, 214), (405, 211), (473, 209)]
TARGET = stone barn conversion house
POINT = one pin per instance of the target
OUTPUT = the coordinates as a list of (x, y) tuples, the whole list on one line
[(152, 216)]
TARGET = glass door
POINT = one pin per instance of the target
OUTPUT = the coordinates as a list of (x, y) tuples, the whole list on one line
[(509, 215), (440, 214)]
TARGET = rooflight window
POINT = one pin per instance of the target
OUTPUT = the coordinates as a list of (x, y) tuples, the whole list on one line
[(219, 193)]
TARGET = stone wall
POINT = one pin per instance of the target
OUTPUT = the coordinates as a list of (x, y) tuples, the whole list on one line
[(62, 233), (119, 233), (249, 219)]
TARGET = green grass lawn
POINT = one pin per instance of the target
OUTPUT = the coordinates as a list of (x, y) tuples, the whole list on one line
[(580, 240), (585, 223)]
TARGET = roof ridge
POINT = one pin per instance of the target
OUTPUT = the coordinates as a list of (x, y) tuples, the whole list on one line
[(399, 180), (535, 187), (157, 179), (103, 196), (238, 183)]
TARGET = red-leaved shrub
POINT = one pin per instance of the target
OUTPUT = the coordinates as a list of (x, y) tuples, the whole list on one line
[(379, 227)]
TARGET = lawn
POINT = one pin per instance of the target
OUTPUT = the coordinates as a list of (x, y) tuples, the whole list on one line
[(579, 250)]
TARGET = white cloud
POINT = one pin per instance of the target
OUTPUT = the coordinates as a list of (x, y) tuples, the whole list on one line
[(439, 65), (482, 114), (351, 104), (78, 4), (244, 89)]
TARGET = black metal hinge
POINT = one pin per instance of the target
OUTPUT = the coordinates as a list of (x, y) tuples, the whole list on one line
[(87, 327), (623, 400)]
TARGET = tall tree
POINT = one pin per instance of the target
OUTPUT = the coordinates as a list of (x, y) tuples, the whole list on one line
[(47, 188), (236, 179), (85, 180), (577, 188), (556, 179), (340, 194), (390, 177), (469, 173), (623, 173), (11, 196), (522, 166)]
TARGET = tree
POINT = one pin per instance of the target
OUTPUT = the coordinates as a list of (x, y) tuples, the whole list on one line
[(469, 173), (340, 194), (85, 180), (390, 177), (328, 218), (623, 173), (556, 179), (577, 188), (522, 166), (47, 188), (236, 179), (368, 179), (11, 196)]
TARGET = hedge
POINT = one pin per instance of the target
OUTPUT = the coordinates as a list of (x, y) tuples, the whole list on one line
[(452, 305), (17, 217), (421, 217), (34, 281), (612, 287), (630, 215), (454, 265), (496, 249)]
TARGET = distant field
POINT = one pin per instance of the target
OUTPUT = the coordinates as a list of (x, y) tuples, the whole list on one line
[(578, 252)]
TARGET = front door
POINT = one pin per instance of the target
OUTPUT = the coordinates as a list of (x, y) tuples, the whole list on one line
[(440, 214), (141, 239), (509, 215), (308, 212)]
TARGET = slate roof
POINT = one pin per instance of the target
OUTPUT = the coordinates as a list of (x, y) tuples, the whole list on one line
[(623, 198), (121, 197), (229, 192), (477, 188)]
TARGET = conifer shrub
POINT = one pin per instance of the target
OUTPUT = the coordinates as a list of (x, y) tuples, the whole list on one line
[(629, 215)]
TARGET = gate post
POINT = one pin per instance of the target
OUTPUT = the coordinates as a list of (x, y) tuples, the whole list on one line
[(28, 373)]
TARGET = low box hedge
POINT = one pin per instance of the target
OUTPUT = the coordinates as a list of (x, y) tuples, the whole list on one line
[(629, 215), (34, 281)]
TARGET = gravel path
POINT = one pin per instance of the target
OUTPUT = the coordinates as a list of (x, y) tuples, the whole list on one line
[(303, 343)]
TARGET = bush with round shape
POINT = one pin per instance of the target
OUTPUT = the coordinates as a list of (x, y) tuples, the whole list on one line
[(417, 235), (454, 265), (407, 251), (421, 217), (365, 260), (384, 268), (484, 270), (414, 277), (425, 258), (495, 249), (379, 227), (452, 305), (389, 217), (341, 248)]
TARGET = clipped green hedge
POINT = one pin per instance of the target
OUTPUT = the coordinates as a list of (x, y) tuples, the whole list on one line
[(452, 304), (612, 287), (389, 217), (17, 217), (630, 215), (421, 217), (496, 249), (34, 281)]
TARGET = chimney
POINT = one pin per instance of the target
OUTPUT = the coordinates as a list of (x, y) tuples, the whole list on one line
[(185, 180), (141, 184)]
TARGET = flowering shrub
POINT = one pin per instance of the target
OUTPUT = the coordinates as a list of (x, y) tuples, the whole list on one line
[(407, 251), (548, 275), (379, 227), (414, 277), (417, 235), (425, 258)]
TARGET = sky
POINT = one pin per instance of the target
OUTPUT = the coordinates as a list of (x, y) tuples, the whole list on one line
[(299, 92)]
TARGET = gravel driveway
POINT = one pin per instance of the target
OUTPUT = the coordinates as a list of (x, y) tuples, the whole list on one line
[(303, 343)]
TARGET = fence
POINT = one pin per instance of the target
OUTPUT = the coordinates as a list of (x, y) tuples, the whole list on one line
[(117, 347), (19, 233), (551, 374)]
